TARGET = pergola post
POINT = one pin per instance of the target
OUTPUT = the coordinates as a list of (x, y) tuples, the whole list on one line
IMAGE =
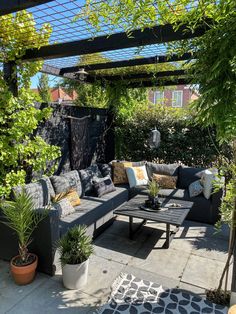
[(10, 76)]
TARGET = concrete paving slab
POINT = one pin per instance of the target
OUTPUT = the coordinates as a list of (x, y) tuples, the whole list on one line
[(166, 262), (154, 277), (203, 272), (102, 273), (10, 293), (211, 247), (51, 297)]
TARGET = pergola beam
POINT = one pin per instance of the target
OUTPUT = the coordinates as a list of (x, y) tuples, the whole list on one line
[(127, 63), (159, 83), (150, 75), (10, 6), (155, 35)]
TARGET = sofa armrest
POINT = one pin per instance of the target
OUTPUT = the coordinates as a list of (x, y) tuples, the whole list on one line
[(216, 199)]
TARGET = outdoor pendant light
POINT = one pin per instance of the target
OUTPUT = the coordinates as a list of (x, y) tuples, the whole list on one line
[(82, 74), (154, 138)]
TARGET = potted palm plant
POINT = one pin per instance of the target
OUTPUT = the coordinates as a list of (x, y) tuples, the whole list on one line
[(22, 219), (75, 247)]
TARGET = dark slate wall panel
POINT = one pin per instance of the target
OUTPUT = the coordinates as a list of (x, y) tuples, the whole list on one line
[(57, 131)]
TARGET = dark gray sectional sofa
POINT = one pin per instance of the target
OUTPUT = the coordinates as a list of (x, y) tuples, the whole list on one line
[(97, 213)]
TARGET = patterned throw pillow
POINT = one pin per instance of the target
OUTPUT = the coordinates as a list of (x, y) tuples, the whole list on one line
[(208, 176), (66, 182), (64, 207), (103, 186), (164, 181), (119, 173), (137, 176), (87, 176), (195, 188)]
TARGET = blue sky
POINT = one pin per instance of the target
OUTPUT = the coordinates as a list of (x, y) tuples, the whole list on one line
[(52, 80)]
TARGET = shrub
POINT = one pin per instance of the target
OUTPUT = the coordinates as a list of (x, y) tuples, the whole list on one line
[(181, 139)]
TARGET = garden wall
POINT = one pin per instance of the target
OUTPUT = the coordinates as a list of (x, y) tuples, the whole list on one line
[(83, 134)]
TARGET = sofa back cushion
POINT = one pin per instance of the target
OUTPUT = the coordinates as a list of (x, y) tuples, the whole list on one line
[(87, 176), (41, 192), (187, 175), (170, 170), (105, 169), (66, 182)]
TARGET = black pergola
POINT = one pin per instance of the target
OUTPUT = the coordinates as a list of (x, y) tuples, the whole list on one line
[(73, 46)]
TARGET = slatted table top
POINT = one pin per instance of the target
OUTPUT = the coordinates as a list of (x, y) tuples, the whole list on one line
[(171, 215)]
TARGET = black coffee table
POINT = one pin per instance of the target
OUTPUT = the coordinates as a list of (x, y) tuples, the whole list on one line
[(168, 215)]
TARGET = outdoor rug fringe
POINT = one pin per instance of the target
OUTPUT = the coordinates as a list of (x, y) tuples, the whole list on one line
[(131, 295)]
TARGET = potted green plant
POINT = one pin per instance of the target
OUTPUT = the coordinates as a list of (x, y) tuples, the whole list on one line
[(154, 189), (75, 248), (23, 219)]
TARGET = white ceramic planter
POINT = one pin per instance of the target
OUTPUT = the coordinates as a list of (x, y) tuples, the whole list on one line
[(75, 276)]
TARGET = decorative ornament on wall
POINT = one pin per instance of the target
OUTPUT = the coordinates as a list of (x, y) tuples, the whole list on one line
[(154, 138)]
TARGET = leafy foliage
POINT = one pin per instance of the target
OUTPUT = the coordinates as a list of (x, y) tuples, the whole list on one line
[(75, 246), (153, 188), (182, 140), (21, 153), (23, 219), (44, 88)]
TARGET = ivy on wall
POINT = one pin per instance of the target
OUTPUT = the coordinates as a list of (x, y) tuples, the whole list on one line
[(21, 152)]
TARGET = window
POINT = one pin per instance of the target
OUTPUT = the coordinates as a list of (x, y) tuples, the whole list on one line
[(158, 97), (177, 98)]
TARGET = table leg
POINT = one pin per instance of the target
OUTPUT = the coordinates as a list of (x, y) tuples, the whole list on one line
[(169, 236), (131, 230), (167, 243)]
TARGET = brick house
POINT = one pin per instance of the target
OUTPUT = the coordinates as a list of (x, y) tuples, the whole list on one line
[(179, 97), (60, 95)]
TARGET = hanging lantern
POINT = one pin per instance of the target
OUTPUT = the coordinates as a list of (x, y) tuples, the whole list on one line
[(82, 74), (154, 138)]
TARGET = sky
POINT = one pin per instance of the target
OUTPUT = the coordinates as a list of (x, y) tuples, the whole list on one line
[(52, 80)]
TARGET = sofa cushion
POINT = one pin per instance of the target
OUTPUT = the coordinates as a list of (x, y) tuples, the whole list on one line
[(41, 192), (63, 207), (195, 188), (187, 175), (66, 182), (119, 175), (170, 170), (87, 175), (93, 209), (103, 186), (137, 176), (164, 181), (105, 169)]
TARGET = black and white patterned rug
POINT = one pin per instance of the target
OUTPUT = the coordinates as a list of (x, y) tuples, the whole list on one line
[(131, 295)]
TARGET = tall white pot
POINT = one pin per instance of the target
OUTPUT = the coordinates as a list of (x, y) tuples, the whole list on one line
[(75, 276)]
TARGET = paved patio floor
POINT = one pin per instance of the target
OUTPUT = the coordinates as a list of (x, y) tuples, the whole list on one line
[(193, 262)]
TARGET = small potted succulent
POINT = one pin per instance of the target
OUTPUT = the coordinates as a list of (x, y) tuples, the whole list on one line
[(22, 218), (153, 200), (75, 248)]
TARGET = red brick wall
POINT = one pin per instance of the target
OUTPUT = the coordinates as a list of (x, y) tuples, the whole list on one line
[(188, 95)]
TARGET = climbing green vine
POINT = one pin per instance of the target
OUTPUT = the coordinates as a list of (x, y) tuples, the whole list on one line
[(22, 153)]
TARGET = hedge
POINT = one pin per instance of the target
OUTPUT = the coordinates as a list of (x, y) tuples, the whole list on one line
[(181, 139)]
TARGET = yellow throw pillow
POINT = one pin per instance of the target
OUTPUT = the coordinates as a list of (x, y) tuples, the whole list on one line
[(72, 196), (119, 173), (165, 181)]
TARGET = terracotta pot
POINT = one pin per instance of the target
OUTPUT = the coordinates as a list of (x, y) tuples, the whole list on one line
[(24, 275)]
